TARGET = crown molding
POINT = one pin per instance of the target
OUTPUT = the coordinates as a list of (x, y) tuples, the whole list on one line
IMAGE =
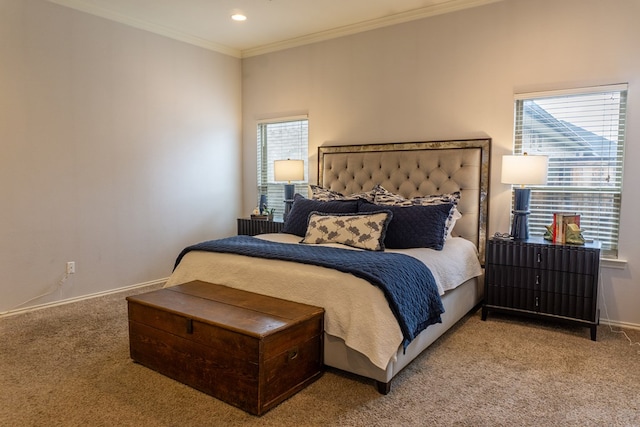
[(412, 15), (399, 18), (148, 26)]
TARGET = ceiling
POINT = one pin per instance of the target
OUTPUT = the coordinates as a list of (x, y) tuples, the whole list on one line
[(271, 24)]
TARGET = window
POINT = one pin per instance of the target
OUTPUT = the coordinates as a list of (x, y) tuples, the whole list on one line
[(582, 132), (278, 140)]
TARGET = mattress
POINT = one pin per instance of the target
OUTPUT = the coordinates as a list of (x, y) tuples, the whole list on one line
[(355, 311)]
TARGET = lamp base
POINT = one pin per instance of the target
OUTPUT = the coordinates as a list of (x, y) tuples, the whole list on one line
[(289, 190), (520, 221)]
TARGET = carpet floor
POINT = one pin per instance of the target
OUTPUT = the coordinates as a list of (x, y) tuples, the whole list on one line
[(69, 366)]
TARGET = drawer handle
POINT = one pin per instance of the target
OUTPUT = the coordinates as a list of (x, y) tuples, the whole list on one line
[(539, 257), (189, 326), (537, 279), (293, 353)]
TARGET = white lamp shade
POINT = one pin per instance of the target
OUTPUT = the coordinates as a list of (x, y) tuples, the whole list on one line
[(524, 170), (288, 170)]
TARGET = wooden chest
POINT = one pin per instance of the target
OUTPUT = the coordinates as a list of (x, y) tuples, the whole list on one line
[(251, 351)]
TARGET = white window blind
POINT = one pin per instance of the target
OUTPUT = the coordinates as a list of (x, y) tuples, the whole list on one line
[(583, 133), (279, 140)]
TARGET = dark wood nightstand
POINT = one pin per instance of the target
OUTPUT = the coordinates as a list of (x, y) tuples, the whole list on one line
[(251, 227), (543, 279)]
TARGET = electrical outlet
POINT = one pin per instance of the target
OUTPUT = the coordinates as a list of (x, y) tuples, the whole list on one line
[(71, 267)]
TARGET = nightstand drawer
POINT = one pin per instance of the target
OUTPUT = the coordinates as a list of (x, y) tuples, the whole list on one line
[(562, 282), (510, 297), (251, 227), (526, 296), (569, 306), (574, 259)]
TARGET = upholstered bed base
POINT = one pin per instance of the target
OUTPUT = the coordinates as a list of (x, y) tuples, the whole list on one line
[(414, 169), (457, 304)]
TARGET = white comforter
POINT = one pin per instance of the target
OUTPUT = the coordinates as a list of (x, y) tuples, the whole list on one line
[(355, 311)]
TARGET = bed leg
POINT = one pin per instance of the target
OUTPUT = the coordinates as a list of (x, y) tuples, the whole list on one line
[(383, 388)]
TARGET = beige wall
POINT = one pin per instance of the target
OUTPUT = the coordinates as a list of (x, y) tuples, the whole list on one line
[(118, 148), (454, 76)]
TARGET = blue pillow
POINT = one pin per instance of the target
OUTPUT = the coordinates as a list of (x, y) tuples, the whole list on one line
[(414, 226), (298, 218)]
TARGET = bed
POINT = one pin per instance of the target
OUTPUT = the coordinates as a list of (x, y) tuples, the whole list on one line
[(362, 335)]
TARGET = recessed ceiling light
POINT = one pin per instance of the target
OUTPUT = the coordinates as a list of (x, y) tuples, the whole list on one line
[(238, 17)]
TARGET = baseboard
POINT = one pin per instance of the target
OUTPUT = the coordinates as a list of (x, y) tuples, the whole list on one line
[(81, 298), (622, 325), (612, 323)]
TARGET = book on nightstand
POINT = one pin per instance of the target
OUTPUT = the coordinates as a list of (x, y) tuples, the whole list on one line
[(560, 222)]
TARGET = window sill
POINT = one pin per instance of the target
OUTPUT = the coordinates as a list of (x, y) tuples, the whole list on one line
[(618, 264)]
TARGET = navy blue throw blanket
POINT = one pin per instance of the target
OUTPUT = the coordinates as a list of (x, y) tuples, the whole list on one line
[(406, 282)]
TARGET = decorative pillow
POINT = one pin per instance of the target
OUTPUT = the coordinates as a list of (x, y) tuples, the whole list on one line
[(451, 222), (384, 197), (296, 222), (414, 226), (325, 195), (364, 231)]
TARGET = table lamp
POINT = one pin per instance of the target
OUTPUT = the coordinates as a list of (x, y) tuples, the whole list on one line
[(288, 170), (523, 170)]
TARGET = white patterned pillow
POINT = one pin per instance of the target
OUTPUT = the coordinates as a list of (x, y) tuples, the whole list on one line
[(454, 216), (364, 231), (385, 197), (325, 195)]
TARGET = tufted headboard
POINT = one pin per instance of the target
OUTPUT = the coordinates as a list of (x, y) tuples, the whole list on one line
[(417, 169)]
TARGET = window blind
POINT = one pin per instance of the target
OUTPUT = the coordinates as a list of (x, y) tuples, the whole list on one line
[(583, 133), (278, 140)]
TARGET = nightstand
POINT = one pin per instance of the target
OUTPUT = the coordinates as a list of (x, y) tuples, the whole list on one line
[(251, 227), (543, 279)]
